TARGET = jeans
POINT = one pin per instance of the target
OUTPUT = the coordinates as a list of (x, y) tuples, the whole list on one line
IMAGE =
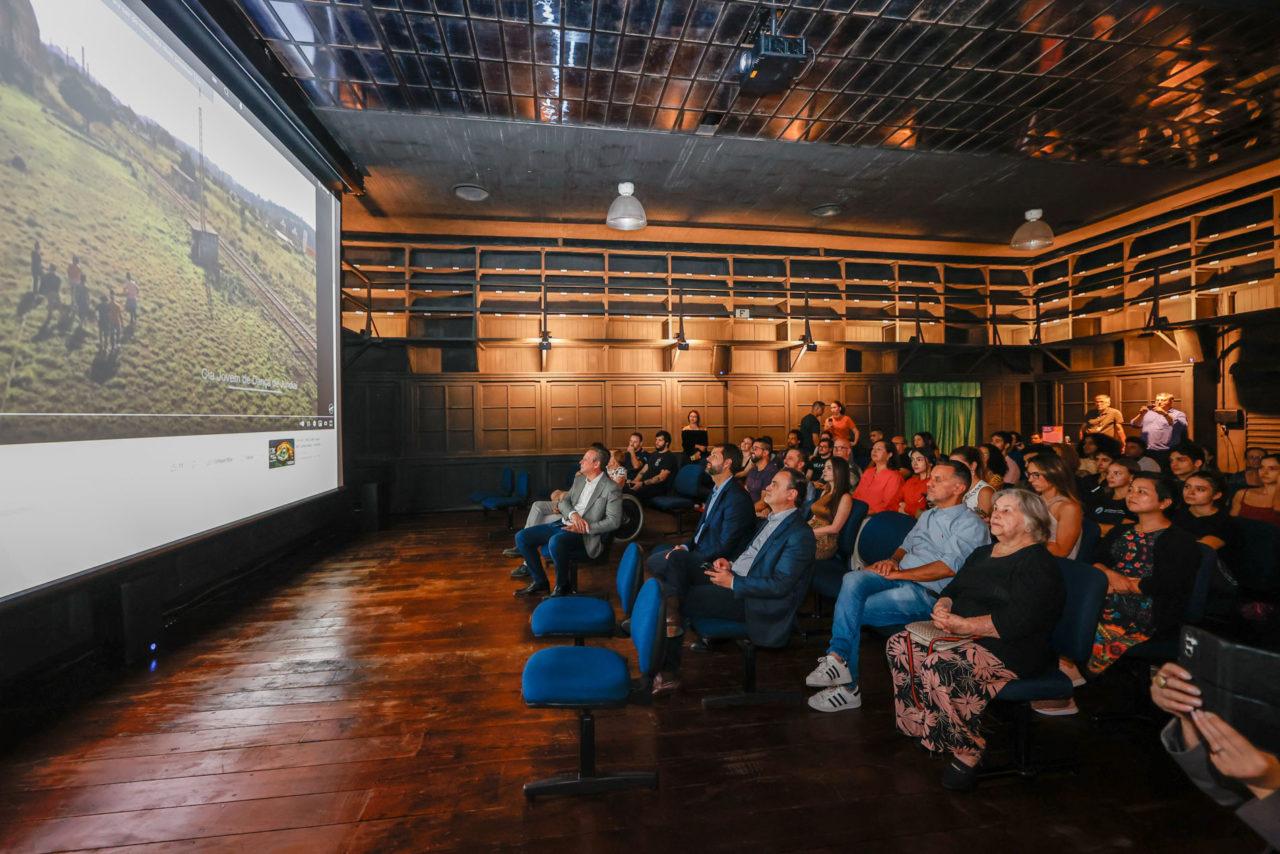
[(873, 600)]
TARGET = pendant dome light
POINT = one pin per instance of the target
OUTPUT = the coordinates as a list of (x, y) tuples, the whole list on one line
[(1033, 234), (626, 213)]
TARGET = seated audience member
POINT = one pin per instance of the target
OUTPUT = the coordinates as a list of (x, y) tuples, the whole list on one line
[(696, 452), (901, 589), (819, 460), (745, 447), (1050, 477), (832, 508), (660, 471), (760, 469), (1249, 476), (881, 484), (914, 500), (842, 449), (924, 441), (1261, 503), (540, 513), (862, 453), (1007, 598), (1092, 445), (1201, 514), (635, 455), (981, 495), (1135, 448), (1185, 460), (811, 427), (995, 465), (839, 425), (1089, 486), (793, 441), (1003, 440), (1216, 757), (617, 470), (726, 526), (1151, 569), (901, 459), (1106, 505), (1067, 452), (794, 459), (762, 585), (592, 509)]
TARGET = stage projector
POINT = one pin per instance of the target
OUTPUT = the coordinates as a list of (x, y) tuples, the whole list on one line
[(771, 64)]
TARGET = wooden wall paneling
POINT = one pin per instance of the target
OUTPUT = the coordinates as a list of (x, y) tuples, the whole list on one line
[(509, 416), (828, 360), (805, 392), (507, 326), (575, 360), (460, 417), (1001, 407), (427, 433), (374, 418), (753, 361), (635, 405), (696, 360), (575, 414), (758, 407), (640, 330), (710, 399), (509, 360), (633, 360)]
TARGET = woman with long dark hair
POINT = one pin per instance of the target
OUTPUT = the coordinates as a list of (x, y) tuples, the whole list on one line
[(1051, 479), (914, 500), (981, 495), (881, 484), (831, 510)]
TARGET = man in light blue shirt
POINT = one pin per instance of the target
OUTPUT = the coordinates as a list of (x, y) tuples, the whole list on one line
[(1163, 427), (903, 588)]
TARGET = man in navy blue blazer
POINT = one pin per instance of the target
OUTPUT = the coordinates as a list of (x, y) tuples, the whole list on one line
[(764, 585), (725, 529)]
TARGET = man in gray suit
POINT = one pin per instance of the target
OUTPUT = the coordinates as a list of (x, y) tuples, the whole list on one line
[(592, 509)]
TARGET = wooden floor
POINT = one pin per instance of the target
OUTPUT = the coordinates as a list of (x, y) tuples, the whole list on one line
[(372, 703)]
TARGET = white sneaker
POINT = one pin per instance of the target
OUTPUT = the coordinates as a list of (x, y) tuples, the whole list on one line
[(830, 672), (841, 698)]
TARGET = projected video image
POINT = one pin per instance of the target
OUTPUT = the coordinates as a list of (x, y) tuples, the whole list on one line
[(158, 257)]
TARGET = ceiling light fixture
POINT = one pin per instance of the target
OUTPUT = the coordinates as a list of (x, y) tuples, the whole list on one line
[(470, 192), (626, 213), (1033, 234), (826, 210)]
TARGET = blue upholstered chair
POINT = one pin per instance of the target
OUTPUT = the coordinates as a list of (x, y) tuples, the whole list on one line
[(1253, 556), (1072, 639), (506, 486), (684, 494), (829, 573), (518, 498), (1090, 533), (589, 677), (580, 617), (881, 536)]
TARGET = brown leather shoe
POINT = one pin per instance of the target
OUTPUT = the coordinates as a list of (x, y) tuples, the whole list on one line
[(664, 685)]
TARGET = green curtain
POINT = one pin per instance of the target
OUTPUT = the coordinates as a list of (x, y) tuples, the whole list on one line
[(947, 410)]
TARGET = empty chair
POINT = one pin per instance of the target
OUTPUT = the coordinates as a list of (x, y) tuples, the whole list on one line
[(684, 494), (581, 617), (518, 498), (506, 486), (587, 678), (1072, 639)]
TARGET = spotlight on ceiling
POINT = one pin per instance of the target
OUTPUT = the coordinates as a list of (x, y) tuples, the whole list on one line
[(1033, 234), (626, 213), (826, 210), (470, 192)]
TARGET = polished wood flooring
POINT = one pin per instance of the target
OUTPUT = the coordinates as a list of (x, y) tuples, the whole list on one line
[(371, 702)]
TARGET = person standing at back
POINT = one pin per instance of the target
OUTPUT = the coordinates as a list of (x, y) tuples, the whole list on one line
[(1104, 419), (811, 428), (841, 426), (1163, 427)]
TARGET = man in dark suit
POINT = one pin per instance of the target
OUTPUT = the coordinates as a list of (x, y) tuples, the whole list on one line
[(726, 528), (764, 585), (592, 509)]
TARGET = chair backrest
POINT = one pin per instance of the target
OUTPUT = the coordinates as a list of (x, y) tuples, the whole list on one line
[(849, 533), (648, 627), (630, 575), (508, 483), (522, 486), (882, 534), (1199, 599), (686, 482), (1086, 589), (1253, 555), (1090, 533)]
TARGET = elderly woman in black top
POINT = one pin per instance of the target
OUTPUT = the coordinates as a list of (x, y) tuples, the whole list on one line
[(1006, 599)]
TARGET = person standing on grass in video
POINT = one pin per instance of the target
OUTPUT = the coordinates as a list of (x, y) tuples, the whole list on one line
[(131, 299), (37, 267), (50, 289), (104, 324)]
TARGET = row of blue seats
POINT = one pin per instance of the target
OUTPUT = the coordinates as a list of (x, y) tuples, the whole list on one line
[(587, 678)]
